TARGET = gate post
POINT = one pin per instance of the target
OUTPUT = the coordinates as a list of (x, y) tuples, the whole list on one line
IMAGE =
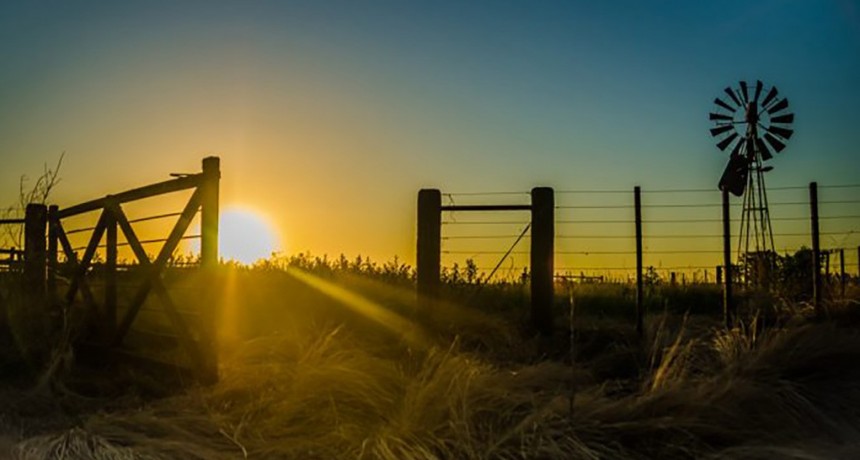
[(53, 242), (209, 212), (35, 252), (428, 255), (542, 264), (209, 189)]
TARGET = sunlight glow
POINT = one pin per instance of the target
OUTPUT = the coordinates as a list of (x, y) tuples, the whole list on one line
[(245, 236), (408, 330)]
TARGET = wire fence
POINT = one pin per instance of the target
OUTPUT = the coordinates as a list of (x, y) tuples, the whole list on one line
[(681, 228)]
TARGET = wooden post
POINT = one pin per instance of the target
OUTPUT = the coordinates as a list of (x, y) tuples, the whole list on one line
[(429, 251), (109, 326), (640, 311), (842, 272), (816, 250), (719, 274), (542, 264), (53, 248), (728, 298), (35, 252), (209, 261), (209, 212)]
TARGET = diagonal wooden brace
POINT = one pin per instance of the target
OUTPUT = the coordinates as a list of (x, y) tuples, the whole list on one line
[(79, 281), (152, 280)]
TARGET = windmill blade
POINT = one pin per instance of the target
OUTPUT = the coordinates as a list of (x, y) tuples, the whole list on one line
[(722, 104), (721, 129), (727, 141), (734, 178), (781, 105), (719, 116), (787, 118), (744, 93), (770, 95), (758, 86), (731, 94), (781, 132), (774, 142), (763, 149)]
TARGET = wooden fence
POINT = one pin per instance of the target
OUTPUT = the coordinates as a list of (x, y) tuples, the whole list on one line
[(69, 284), (543, 239), (542, 211)]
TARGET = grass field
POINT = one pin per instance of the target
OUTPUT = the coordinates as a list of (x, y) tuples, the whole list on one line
[(333, 360)]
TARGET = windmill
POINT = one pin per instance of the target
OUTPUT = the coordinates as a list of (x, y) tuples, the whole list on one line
[(752, 130)]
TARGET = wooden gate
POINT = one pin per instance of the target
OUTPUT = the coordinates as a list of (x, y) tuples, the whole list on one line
[(72, 283)]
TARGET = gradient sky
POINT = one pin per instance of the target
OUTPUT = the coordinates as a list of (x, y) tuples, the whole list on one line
[(329, 115)]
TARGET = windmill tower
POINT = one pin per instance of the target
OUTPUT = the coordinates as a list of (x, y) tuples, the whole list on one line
[(752, 130)]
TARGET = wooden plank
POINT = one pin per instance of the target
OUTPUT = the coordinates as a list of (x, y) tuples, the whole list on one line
[(170, 186)]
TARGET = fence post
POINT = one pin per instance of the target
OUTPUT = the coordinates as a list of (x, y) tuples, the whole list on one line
[(728, 298), (109, 328), (542, 264), (429, 251), (209, 259), (35, 252), (842, 272), (640, 312), (816, 250), (719, 274), (53, 222)]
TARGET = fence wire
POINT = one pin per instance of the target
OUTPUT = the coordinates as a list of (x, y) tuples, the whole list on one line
[(681, 228)]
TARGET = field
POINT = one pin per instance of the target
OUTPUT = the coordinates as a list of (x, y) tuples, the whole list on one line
[(334, 359)]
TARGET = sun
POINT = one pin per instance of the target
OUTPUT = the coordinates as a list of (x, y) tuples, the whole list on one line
[(245, 236)]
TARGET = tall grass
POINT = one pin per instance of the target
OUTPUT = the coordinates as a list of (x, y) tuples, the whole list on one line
[(308, 378), (328, 393)]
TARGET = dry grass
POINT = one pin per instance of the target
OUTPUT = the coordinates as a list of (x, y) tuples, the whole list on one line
[(333, 386), (790, 393)]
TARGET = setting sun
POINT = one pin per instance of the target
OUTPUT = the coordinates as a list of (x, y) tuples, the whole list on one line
[(245, 236)]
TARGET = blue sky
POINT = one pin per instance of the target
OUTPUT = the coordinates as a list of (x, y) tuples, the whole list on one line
[(331, 115)]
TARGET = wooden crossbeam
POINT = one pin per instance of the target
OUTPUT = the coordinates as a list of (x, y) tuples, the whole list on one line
[(170, 186), (152, 278), (81, 284)]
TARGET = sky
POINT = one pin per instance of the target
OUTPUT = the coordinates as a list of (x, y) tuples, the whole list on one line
[(329, 116)]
